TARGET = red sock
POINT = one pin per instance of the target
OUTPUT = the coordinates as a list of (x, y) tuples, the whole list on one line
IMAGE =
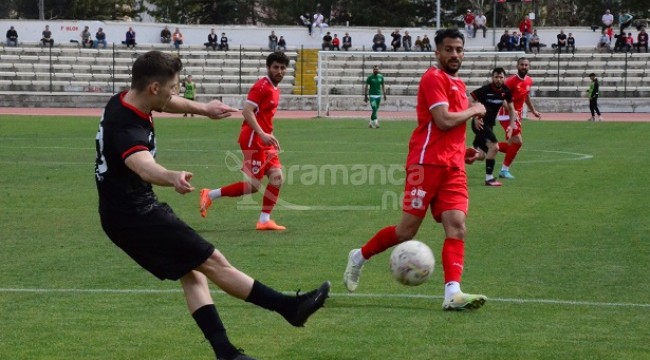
[(236, 189), (383, 239), (453, 255), (503, 147), (513, 149), (270, 198)]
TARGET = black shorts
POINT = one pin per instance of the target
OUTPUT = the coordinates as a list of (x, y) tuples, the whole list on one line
[(158, 241), (483, 136)]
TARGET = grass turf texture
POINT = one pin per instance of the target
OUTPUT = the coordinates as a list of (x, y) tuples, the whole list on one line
[(561, 251)]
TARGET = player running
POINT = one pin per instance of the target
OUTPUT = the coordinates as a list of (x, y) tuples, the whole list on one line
[(493, 96), (435, 173), (519, 85), (258, 144), (376, 84)]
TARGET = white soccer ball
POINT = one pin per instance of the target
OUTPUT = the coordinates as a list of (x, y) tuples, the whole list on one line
[(411, 263)]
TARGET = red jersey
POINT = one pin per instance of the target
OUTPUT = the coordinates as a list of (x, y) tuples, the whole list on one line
[(429, 144), (520, 89), (265, 96)]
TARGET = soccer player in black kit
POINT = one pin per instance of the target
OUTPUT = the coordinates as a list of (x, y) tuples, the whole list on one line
[(148, 230), (493, 96)]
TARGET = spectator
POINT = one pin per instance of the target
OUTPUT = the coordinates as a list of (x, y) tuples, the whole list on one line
[(327, 42), (571, 43), (642, 40), (619, 43), (468, 18), (130, 38), (379, 42), (608, 19), (336, 43), (504, 41), (396, 43), (561, 41), (534, 41), (426, 43), (347, 42), (479, 23), (629, 42), (165, 35), (418, 44), (526, 29), (319, 22), (406, 41), (47, 37), (223, 42), (212, 40), (624, 20), (100, 37), (177, 37), (515, 42), (603, 42), (282, 44), (85, 38), (12, 37), (273, 41), (305, 20), (610, 33)]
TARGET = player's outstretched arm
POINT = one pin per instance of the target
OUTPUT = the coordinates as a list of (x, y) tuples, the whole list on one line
[(214, 109), (143, 164)]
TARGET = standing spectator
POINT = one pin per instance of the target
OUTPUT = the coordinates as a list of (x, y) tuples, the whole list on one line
[(468, 18), (571, 43), (319, 22), (165, 35), (642, 40), (374, 83), (305, 20), (426, 43), (480, 22), (327, 42), (47, 37), (223, 42), (130, 38), (624, 20), (282, 44), (593, 98), (534, 41), (379, 42), (418, 44), (100, 35), (212, 40), (610, 33), (526, 29), (347, 42), (504, 41), (12, 37), (273, 41), (86, 42), (148, 231), (396, 43), (336, 43), (406, 41), (189, 92), (607, 19), (177, 38), (561, 41)]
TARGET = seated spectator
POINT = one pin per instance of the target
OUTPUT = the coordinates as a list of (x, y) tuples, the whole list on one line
[(347, 42), (619, 44), (514, 43), (177, 38), (534, 41), (319, 22), (426, 43), (305, 20), (603, 42), (629, 42), (571, 43), (130, 38), (479, 23), (406, 41), (282, 44), (468, 19), (379, 42), (642, 40), (273, 41), (336, 43), (47, 37), (223, 42), (561, 41), (85, 38), (418, 44), (610, 33), (504, 41), (100, 38), (165, 35), (327, 41), (396, 43), (12, 37), (212, 40)]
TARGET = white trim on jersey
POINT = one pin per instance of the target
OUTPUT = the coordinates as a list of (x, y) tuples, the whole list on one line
[(426, 142)]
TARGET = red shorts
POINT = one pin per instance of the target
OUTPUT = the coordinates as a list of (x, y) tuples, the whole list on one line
[(440, 188), (257, 162), (504, 123)]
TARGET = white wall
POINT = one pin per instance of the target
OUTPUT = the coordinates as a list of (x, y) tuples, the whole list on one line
[(252, 36)]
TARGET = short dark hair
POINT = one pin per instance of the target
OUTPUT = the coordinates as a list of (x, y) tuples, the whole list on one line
[(452, 33), (498, 70), (278, 57), (522, 59), (154, 66), (592, 74)]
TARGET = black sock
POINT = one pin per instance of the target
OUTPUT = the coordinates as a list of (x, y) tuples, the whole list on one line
[(208, 320), (263, 296), (489, 166)]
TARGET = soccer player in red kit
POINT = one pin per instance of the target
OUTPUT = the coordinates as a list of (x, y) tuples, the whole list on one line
[(435, 172), (520, 85), (258, 144)]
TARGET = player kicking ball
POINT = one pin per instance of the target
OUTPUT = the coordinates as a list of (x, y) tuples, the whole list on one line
[(493, 96)]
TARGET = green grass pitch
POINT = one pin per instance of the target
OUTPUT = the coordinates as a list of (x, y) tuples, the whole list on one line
[(561, 251)]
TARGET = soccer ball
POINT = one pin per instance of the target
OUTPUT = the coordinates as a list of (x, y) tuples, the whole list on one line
[(411, 263)]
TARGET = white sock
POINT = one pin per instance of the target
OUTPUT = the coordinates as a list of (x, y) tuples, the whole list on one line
[(216, 193), (265, 217), (358, 258), (505, 168), (451, 288), (489, 177)]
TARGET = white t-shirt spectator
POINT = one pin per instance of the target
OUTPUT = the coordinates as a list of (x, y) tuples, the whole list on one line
[(608, 19), (480, 20)]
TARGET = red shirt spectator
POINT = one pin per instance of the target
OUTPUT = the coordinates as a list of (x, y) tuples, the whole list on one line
[(469, 18), (526, 25)]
